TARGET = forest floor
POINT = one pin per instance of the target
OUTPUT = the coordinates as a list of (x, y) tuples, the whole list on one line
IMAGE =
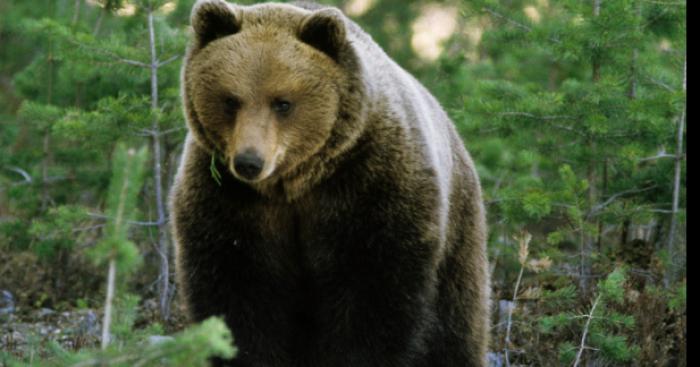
[(41, 306)]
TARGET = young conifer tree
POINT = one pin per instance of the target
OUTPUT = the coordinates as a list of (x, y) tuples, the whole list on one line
[(115, 249)]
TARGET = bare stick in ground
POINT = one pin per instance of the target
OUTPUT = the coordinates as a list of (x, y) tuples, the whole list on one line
[(155, 133), (164, 276), (107, 318), (668, 279), (112, 272), (524, 241), (589, 317)]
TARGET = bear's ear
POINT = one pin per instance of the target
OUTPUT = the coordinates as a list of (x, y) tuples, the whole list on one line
[(324, 30), (213, 19)]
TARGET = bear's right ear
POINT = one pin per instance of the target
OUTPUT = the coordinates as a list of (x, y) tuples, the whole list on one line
[(213, 19)]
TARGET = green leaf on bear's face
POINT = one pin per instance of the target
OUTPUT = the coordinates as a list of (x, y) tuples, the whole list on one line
[(214, 171)]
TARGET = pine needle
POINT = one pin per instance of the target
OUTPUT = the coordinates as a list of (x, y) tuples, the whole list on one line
[(214, 171)]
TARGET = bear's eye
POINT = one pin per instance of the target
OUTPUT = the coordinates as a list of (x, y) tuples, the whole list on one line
[(281, 106), (231, 105)]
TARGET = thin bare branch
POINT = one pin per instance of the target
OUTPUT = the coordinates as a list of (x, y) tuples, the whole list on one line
[(163, 289), (130, 222), (89, 228), (523, 241), (507, 19), (668, 278), (661, 155), (23, 173), (173, 130), (111, 55), (168, 61), (516, 23), (585, 332), (538, 117), (151, 132), (547, 118), (663, 211), (672, 3), (596, 209), (661, 84), (510, 315), (132, 62)]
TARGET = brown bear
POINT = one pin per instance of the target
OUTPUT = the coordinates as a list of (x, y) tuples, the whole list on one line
[(325, 205)]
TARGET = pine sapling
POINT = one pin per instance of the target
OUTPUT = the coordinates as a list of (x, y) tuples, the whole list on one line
[(115, 248)]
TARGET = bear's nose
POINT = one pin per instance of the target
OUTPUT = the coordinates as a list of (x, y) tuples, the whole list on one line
[(248, 164)]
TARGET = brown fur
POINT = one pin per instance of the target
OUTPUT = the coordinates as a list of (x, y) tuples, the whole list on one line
[(362, 243)]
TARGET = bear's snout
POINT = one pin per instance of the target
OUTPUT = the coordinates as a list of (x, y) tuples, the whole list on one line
[(248, 164)]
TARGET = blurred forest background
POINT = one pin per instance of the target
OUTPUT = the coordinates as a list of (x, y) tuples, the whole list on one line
[(573, 110)]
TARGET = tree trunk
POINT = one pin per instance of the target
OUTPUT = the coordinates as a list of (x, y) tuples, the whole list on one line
[(76, 12), (596, 58), (46, 145), (588, 239), (164, 276), (670, 272), (98, 24)]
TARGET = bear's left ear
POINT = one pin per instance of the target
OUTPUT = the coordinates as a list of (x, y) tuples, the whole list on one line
[(324, 30), (213, 19)]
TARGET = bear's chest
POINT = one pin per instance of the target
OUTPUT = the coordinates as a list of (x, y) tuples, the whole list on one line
[(294, 241)]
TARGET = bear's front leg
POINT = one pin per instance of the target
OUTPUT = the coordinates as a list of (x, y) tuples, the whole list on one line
[(375, 297), (228, 266), (377, 310), (254, 304)]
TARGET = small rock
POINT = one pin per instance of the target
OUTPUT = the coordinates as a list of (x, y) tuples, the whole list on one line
[(88, 324), (13, 338), (43, 312), (158, 339), (495, 359), (7, 303), (504, 307)]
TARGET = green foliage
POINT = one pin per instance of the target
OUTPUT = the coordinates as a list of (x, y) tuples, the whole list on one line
[(126, 307), (612, 288), (602, 325), (56, 231), (14, 235), (614, 348), (549, 323), (678, 300), (192, 347), (562, 296), (567, 353), (122, 197)]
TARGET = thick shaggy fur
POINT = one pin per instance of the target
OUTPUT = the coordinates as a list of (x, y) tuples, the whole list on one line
[(363, 243)]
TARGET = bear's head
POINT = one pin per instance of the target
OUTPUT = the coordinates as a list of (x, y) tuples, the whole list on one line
[(267, 87)]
